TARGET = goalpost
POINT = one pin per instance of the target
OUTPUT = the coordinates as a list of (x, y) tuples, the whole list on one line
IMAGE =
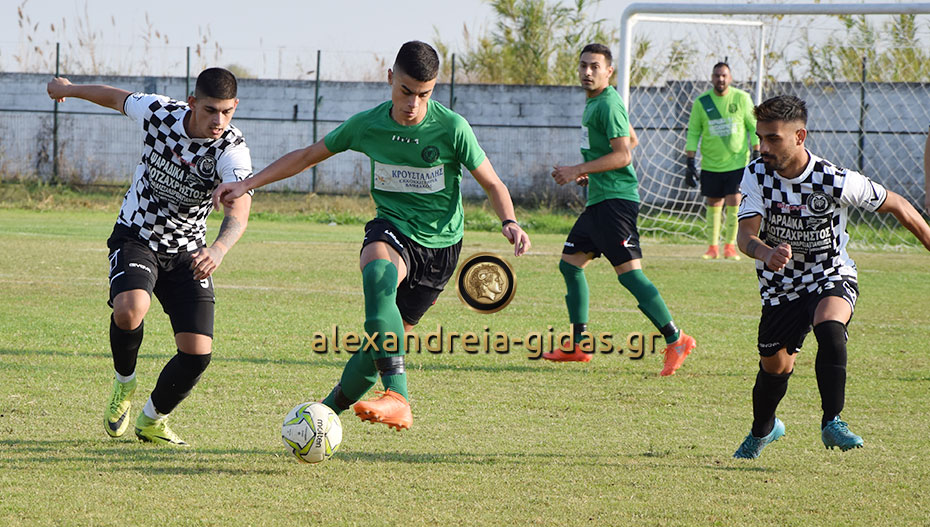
[(864, 70)]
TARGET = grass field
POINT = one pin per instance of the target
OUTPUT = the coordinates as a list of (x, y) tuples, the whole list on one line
[(498, 439)]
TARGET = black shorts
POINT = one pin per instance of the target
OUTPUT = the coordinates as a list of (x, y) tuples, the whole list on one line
[(720, 184), (133, 265), (786, 325), (428, 269), (608, 228)]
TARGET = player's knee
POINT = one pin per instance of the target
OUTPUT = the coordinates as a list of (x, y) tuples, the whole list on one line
[(128, 318), (831, 336), (778, 364)]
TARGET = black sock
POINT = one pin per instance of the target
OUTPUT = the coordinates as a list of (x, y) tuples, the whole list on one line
[(830, 366), (766, 394), (124, 345), (177, 379)]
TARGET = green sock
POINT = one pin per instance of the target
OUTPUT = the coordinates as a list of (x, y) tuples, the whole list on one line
[(576, 298), (379, 283), (358, 376), (730, 226), (713, 219), (650, 303)]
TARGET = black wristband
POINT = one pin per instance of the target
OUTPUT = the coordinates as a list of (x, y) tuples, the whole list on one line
[(508, 222)]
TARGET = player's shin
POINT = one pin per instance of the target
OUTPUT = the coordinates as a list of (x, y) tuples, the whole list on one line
[(124, 345), (768, 391), (576, 297), (830, 366), (177, 379)]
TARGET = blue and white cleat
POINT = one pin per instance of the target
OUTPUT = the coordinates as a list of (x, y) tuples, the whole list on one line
[(837, 433), (752, 446)]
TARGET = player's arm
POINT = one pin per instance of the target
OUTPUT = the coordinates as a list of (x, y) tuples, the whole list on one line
[(500, 200), (907, 216), (289, 165), (235, 220), (619, 157), (927, 174), (60, 88), (634, 140), (747, 238)]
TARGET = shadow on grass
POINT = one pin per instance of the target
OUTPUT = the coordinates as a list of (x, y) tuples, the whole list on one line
[(421, 361), (134, 456)]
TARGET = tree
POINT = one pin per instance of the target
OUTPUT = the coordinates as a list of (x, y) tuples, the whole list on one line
[(532, 42)]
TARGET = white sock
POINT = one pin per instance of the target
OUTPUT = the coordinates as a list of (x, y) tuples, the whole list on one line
[(150, 412), (125, 378)]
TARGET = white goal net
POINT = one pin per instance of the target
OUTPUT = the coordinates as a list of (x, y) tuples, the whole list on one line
[(865, 78)]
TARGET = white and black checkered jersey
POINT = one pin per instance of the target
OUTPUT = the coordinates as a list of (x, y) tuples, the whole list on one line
[(171, 192), (809, 213)]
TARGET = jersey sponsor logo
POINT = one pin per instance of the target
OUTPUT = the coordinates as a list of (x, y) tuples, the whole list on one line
[(402, 139), (206, 166), (585, 142), (430, 154), (724, 127), (174, 183), (805, 235), (818, 203), (398, 178)]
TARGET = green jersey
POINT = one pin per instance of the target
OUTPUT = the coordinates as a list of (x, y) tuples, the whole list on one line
[(604, 119), (721, 124), (416, 171)]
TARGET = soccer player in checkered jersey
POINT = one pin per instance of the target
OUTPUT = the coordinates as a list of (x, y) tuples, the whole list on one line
[(411, 249), (608, 223), (158, 243), (792, 221)]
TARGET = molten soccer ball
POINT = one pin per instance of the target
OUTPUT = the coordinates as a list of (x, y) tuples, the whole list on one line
[(312, 432)]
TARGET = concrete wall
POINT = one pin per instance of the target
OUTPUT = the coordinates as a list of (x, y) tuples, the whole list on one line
[(524, 129)]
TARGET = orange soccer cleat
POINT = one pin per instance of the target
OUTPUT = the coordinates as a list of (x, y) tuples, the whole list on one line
[(676, 352), (712, 253), (730, 252), (391, 409), (560, 355)]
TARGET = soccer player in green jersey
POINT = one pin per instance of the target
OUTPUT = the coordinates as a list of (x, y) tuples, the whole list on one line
[(411, 249), (608, 224), (721, 119)]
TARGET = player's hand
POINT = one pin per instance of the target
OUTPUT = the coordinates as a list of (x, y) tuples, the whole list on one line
[(227, 193), (517, 237), (582, 180), (691, 175), (563, 175), (205, 261), (778, 257), (56, 88)]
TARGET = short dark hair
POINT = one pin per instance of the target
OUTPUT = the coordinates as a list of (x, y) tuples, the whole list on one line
[(719, 65), (785, 108), (600, 49), (419, 60), (216, 83)]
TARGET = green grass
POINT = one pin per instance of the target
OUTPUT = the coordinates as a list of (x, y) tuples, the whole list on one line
[(498, 439)]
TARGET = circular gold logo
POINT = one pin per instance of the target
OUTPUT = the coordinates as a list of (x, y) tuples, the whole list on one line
[(485, 283)]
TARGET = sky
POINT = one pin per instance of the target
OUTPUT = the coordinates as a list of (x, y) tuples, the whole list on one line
[(269, 39), (242, 27)]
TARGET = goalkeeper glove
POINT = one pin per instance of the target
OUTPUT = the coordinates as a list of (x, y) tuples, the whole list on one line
[(691, 175)]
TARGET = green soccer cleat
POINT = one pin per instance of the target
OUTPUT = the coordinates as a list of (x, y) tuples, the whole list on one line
[(837, 433), (157, 431), (752, 446), (116, 418)]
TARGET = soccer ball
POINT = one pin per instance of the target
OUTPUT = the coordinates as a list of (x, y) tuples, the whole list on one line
[(312, 432)]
